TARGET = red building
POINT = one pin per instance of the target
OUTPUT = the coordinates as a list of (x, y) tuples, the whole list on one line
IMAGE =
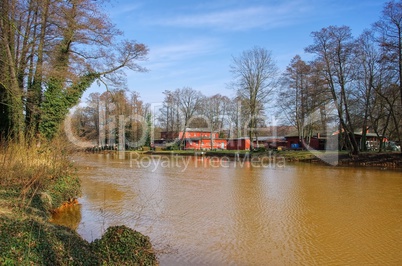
[(204, 144), (200, 139), (238, 144), (316, 142), (293, 141), (169, 135), (270, 142), (198, 133)]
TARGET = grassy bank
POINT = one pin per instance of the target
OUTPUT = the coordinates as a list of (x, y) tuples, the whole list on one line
[(371, 159), (391, 160), (289, 155), (33, 182), (229, 153), (344, 158)]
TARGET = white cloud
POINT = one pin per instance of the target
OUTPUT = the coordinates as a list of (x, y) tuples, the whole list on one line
[(119, 9), (162, 56), (240, 18)]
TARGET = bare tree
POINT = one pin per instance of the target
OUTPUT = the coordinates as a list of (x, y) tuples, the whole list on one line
[(390, 29), (333, 47), (179, 109), (169, 116), (389, 37), (294, 93), (215, 110), (255, 78), (190, 102), (236, 117), (367, 76), (303, 92)]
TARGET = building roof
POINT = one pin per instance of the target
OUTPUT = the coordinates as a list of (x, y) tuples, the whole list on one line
[(316, 134), (199, 130), (241, 138), (368, 134), (266, 138)]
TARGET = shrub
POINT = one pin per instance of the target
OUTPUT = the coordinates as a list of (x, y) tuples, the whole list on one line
[(121, 245), (28, 240)]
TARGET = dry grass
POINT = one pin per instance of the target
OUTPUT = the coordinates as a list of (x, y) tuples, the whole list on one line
[(27, 169)]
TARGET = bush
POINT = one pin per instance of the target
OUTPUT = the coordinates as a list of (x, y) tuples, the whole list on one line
[(173, 147), (259, 149), (121, 245), (28, 240)]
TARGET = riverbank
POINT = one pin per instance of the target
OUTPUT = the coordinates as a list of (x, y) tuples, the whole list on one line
[(370, 159), (36, 181), (392, 160), (342, 158)]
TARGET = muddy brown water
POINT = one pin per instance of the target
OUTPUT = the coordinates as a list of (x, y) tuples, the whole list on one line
[(201, 211)]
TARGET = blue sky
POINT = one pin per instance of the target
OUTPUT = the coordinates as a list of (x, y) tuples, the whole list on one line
[(192, 42)]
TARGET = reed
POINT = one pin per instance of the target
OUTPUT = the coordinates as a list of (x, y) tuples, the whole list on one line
[(33, 170)]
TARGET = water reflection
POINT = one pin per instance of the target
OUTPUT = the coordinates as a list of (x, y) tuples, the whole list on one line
[(197, 213), (69, 216)]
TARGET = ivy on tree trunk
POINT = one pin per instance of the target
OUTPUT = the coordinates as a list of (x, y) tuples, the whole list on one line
[(58, 102)]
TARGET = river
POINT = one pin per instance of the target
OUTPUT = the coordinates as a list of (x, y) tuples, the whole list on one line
[(203, 211)]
